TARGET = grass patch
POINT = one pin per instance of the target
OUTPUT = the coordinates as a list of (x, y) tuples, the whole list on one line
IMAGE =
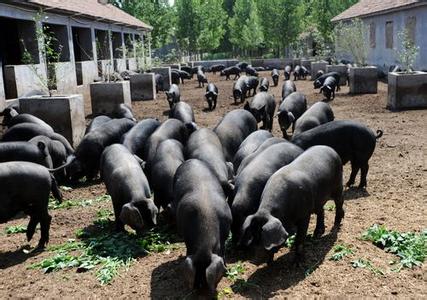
[(329, 206), (15, 229), (67, 204), (235, 271), (104, 251), (410, 247), (366, 263), (341, 251)]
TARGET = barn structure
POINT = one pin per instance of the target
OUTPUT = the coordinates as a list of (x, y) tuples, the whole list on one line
[(91, 36), (385, 19)]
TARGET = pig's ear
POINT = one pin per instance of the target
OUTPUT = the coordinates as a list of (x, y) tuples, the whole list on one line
[(328, 87), (247, 234), (153, 212), (273, 234), (140, 161), (131, 216), (189, 271), (291, 117), (215, 271), (42, 146)]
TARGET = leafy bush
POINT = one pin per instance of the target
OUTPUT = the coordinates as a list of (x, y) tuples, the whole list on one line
[(410, 247), (352, 39), (408, 52)]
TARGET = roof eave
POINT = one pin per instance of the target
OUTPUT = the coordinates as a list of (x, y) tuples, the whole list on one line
[(382, 12), (71, 13)]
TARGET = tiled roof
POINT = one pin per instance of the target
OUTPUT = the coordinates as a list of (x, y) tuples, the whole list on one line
[(371, 7), (92, 8)]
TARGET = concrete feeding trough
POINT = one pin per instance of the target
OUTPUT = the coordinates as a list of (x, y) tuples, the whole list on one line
[(406, 91), (142, 87), (363, 80), (166, 73), (64, 113), (271, 63), (307, 63), (340, 69), (209, 63), (107, 96), (316, 67)]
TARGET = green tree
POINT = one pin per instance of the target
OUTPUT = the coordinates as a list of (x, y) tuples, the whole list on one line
[(320, 12), (199, 27), (157, 13), (245, 28), (281, 22)]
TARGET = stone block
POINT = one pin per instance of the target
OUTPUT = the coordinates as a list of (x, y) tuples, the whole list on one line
[(316, 67), (107, 96), (363, 80), (407, 91), (340, 69), (142, 87), (166, 73), (64, 113)]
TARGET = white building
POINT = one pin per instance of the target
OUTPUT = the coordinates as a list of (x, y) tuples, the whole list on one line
[(385, 19), (92, 34)]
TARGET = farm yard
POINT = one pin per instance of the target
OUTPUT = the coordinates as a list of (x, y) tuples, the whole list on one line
[(85, 258)]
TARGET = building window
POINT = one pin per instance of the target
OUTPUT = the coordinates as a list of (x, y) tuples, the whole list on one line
[(389, 35), (372, 35), (411, 23)]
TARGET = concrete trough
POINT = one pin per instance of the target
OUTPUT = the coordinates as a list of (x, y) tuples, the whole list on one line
[(316, 67), (363, 80), (107, 96), (271, 63), (142, 87), (166, 73), (21, 80), (209, 63), (64, 113), (407, 91), (340, 69), (307, 63)]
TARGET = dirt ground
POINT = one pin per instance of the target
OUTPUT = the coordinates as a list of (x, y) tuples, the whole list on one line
[(396, 196)]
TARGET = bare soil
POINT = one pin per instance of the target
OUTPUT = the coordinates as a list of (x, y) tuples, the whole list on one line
[(396, 196)]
